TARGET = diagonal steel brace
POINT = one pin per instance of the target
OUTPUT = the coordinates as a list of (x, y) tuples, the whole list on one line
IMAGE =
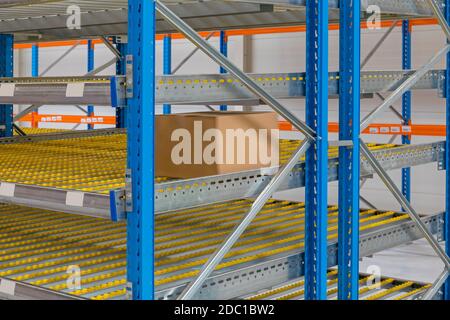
[(224, 62), (193, 287), (437, 285), (404, 203)]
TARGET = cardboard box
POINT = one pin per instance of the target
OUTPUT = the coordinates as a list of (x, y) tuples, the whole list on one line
[(213, 143)]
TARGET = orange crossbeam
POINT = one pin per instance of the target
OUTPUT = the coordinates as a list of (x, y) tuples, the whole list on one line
[(387, 129), (333, 127), (52, 118), (238, 32)]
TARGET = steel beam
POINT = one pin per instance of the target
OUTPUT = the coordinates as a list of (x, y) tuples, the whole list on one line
[(215, 89), (349, 158), (316, 196), (141, 140), (191, 290), (190, 34), (221, 89), (16, 290), (57, 91), (6, 70)]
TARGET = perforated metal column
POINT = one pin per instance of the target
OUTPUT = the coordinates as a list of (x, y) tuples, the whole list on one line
[(406, 104), (316, 156), (167, 65), (224, 51), (90, 67), (447, 156), (141, 139), (6, 70), (121, 113), (349, 157)]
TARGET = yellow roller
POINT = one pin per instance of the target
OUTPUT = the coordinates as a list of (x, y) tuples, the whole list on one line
[(38, 246)]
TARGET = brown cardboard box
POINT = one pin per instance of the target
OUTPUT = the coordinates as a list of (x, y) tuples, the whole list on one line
[(203, 144)]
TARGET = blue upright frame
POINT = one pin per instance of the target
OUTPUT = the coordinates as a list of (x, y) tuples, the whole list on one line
[(406, 103), (141, 140), (90, 67), (447, 158), (6, 70), (35, 61), (121, 69), (223, 51), (34, 65), (317, 156), (167, 65), (349, 158)]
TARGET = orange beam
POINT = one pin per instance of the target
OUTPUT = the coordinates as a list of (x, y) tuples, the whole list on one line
[(67, 43), (387, 129), (238, 32), (52, 118), (333, 127)]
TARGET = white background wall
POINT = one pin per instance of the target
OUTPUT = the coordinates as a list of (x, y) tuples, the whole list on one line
[(286, 53)]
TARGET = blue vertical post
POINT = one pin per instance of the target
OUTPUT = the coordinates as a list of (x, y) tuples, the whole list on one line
[(35, 61), (406, 103), (349, 158), (167, 65), (317, 156), (34, 74), (447, 158), (224, 51), (6, 70), (121, 69), (90, 67), (141, 142)]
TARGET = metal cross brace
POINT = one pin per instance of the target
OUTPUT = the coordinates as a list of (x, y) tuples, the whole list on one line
[(112, 48), (210, 51), (193, 287), (378, 44), (190, 55), (437, 285)]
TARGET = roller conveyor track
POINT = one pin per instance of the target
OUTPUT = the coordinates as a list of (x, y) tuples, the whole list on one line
[(370, 289), (93, 164), (37, 131), (37, 246)]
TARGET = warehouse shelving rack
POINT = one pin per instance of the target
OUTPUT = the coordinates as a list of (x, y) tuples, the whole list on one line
[(138, 87)]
